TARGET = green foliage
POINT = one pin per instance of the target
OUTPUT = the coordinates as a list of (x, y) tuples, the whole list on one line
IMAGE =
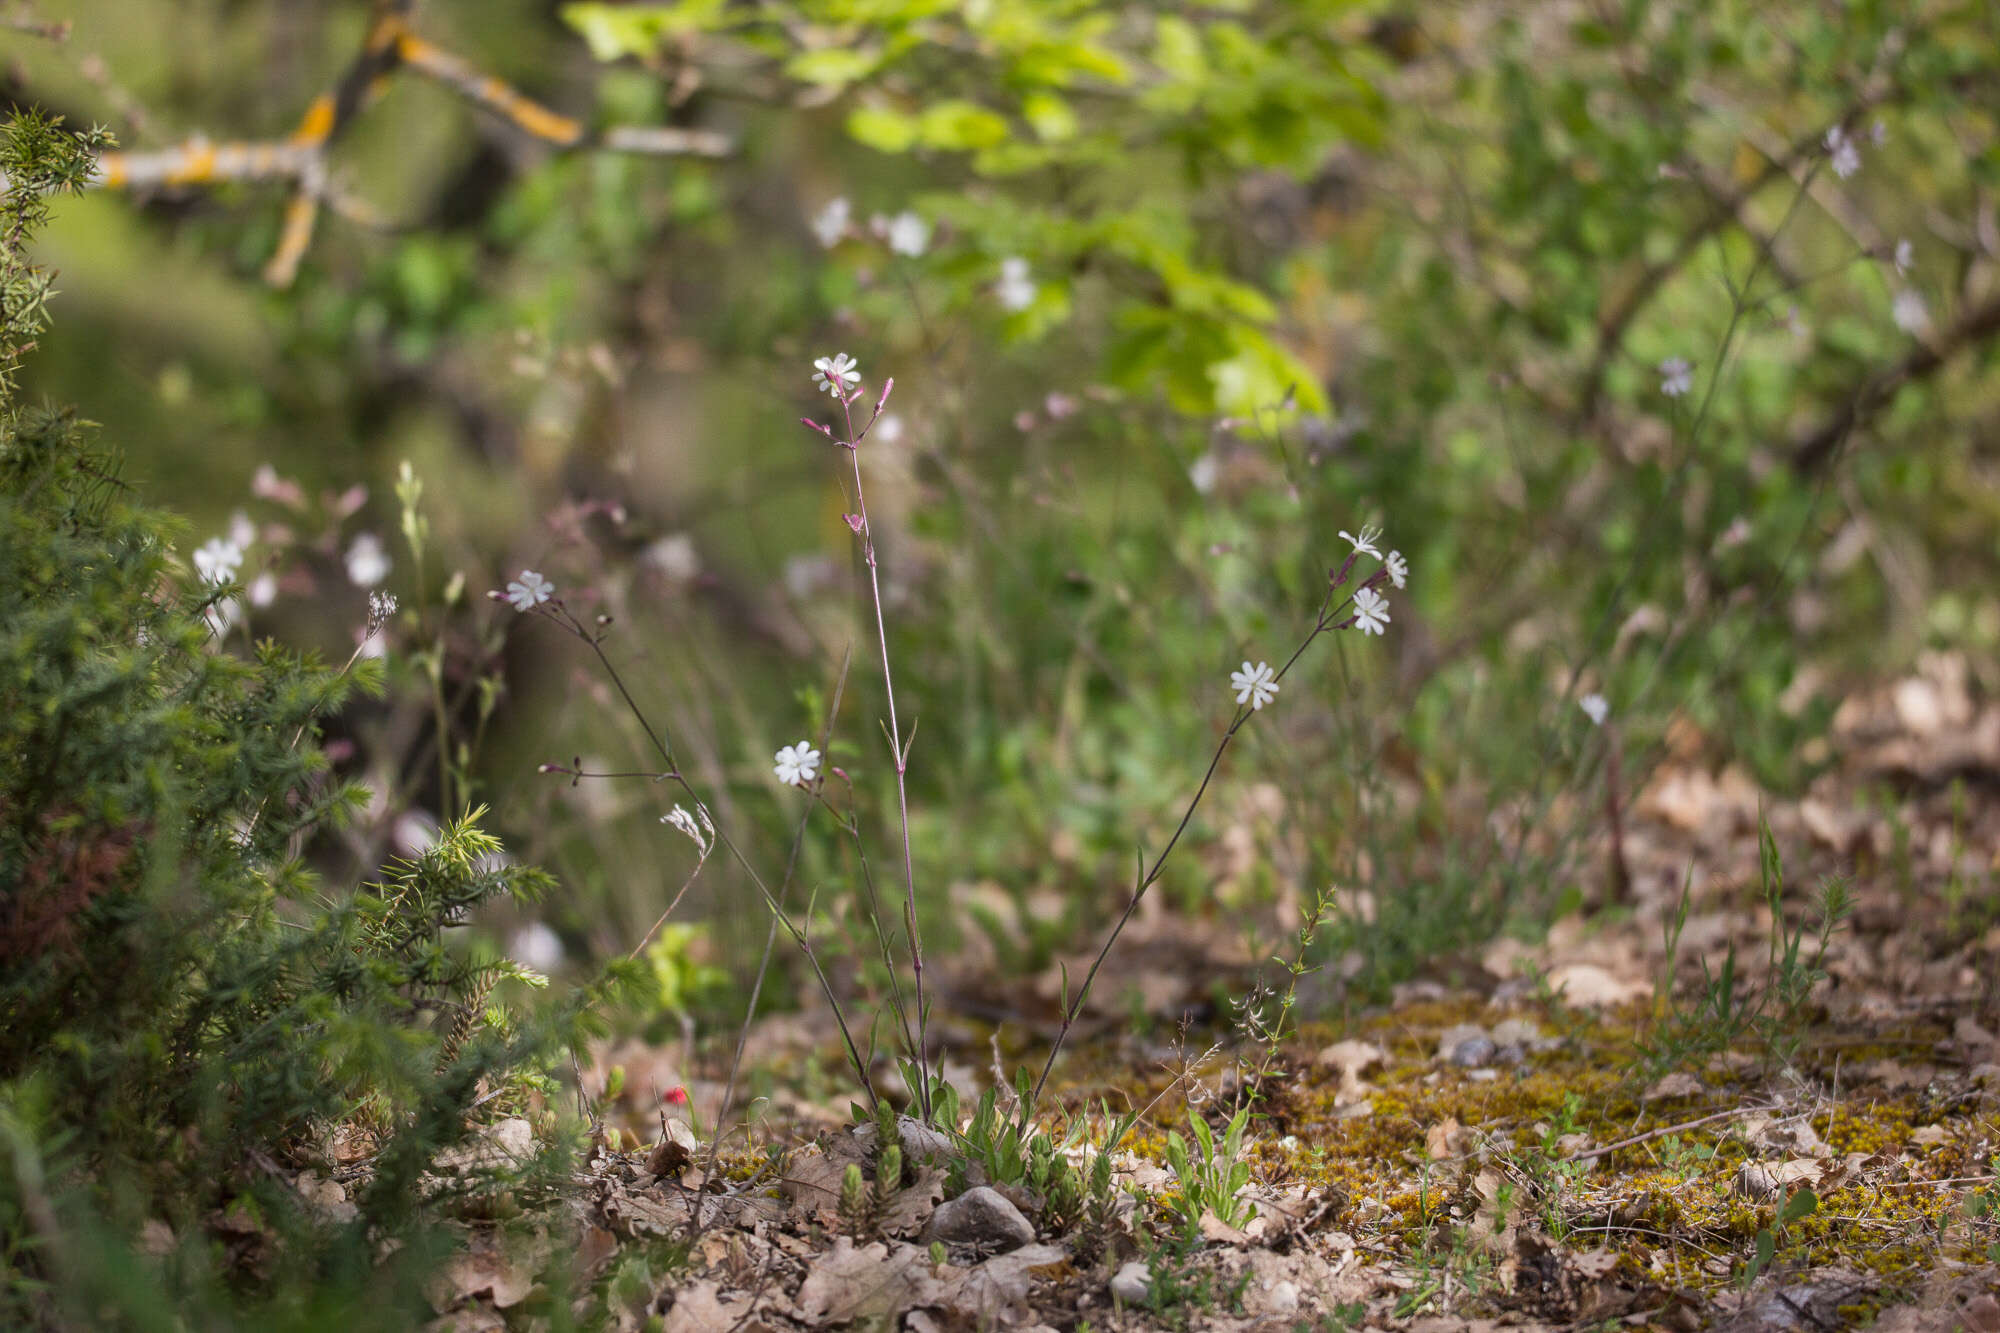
[(1213, 1178), (1727, 1007), (187, 1014), (1155, 114)]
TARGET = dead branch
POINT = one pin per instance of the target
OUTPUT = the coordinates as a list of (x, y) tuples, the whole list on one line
[(1973, 328), (301, 158)]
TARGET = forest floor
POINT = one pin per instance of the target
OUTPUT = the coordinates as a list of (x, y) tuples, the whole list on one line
[(1585, 1132)]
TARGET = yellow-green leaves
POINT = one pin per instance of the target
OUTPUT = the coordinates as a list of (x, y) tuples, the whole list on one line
[(616, 31)]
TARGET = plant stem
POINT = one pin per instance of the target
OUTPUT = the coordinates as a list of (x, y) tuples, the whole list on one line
[(867, 534), (1321, 624)]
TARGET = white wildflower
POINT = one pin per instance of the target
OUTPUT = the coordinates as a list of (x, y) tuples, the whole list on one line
[(830, 223), (1202, 473), (222, 617), (797, 764), (241, 530), (1595, 707), (1676, 376), (415, 832), (263, 589), (1371, 611), (529, 591), (1256, 685), (1365, 543), (537, 947), (1015, 290), (1843, 153), (889, 429), (1909, 311), (1399, 568), (367, 563), (908, 234), (218, 559), (835, 373), (673, 557)]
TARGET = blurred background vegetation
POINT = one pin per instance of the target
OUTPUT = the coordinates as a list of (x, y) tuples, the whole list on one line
[(1182, 295)]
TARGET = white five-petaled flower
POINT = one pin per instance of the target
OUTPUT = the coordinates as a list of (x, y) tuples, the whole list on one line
[(529, 591), (1399, 568), (1015, 290), (1676, 376), (1254, 685), (1909, 311), (1595, 708), (835, 373), (218, 559), (1371, 611), (830, 223), (908, 234), (1365, 543), (1840, 149), (367, 563), (797, 764)]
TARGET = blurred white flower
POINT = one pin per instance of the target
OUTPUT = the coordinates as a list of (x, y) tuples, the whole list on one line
[(1595, 707), (218, 559), (416, 831), (1906, 254), (1371, 611), (1202, 473), (1909, 311), (1399, 568), (889, 429), (909, 234), (222, 617), (537, 947), (797, 764), (1255, 686), (263, 589), (367, 563), (674, 557), (830, 223), (1841, 150), (1676, 376), (1365, 543), (241, 530), (835, 373), (529, 591), (1015, 290)]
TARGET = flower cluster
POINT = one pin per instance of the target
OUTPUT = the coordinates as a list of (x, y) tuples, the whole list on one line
[(1257, 685)]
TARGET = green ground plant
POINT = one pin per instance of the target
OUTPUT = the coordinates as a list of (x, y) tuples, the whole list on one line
[(189, 1013)]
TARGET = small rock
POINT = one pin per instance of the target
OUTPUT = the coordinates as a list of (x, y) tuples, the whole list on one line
[(1467, 1046), (980, 1216), (1283, 1298), (1132, 1284)]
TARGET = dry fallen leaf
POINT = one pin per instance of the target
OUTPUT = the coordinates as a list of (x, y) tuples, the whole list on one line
[(869, 1282)]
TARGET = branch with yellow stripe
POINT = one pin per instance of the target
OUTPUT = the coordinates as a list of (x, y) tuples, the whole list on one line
[(301, 157)]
